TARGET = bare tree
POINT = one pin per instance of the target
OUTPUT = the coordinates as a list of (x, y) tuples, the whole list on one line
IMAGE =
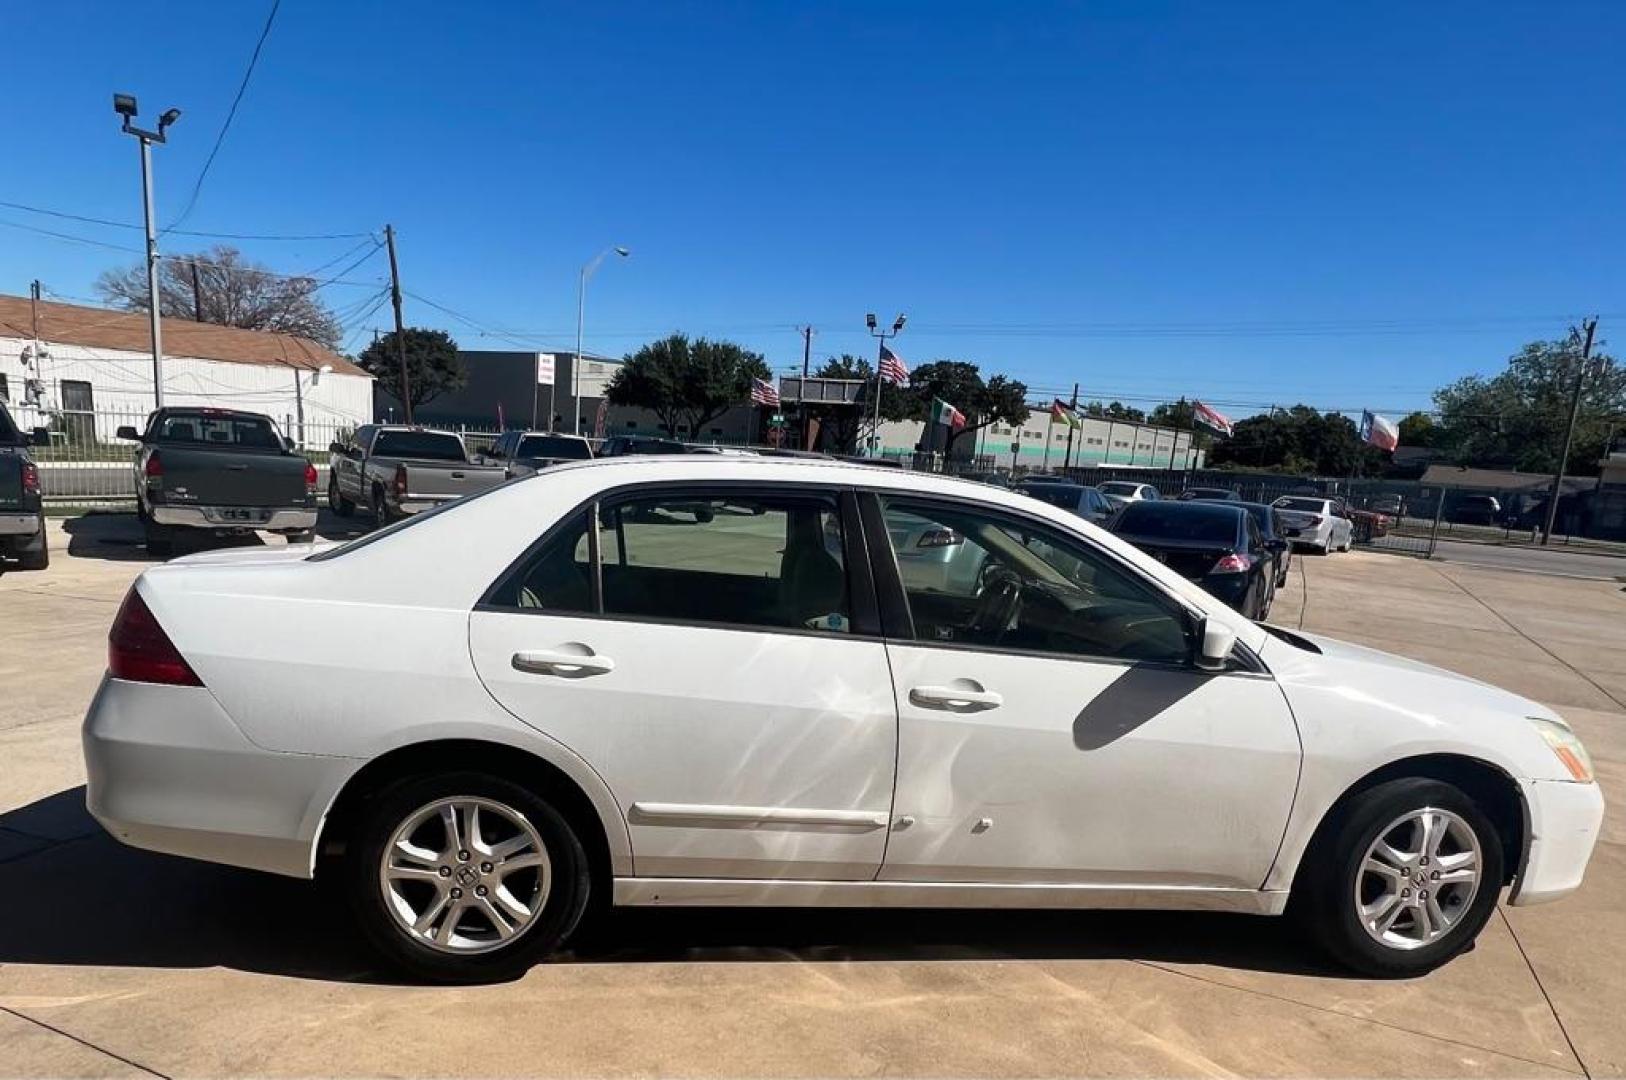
[(227, 290)]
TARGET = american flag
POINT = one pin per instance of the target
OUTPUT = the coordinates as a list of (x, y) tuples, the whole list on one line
[(763, 393), (892, 369)]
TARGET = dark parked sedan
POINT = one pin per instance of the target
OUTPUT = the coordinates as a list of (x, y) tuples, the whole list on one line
[(1278, 547), (1218, 547), (1210, 494)]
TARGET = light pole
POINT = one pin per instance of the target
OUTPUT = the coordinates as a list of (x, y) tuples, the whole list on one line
[(125, 106), (881, 337), (576, 361)]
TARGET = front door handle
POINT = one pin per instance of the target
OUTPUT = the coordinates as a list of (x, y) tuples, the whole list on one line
[(966, 698), (567, 665)]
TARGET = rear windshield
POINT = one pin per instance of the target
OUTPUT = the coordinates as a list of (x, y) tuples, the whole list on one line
[(1179, 521), (423, 445), (239, 432), (1055, 494), (553, 446), (1313, 506), (1115, 487)]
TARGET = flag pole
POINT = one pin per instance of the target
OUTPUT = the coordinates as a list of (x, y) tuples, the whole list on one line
[(1049, 429), (1072, 408), (875, 431)]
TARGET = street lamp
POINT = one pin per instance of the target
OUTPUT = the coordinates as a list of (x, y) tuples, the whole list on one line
[(125, 106), (576, 361), (881, 337)]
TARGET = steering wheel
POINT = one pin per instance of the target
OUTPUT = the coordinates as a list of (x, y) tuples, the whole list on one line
[(999, 600)]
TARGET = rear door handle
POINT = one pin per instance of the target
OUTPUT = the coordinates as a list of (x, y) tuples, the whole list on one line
[(956, 698), (566, 665)]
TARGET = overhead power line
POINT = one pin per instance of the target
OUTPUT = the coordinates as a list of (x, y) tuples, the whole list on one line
[(71, 238), (231, 114), (88, 220)]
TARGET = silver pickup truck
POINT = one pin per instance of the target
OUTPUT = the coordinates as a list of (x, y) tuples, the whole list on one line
[(395, 470)]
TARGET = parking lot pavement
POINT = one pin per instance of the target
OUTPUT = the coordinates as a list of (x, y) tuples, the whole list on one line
[(117, 962)]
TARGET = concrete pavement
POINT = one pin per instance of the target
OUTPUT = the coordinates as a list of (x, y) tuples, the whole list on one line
[(116, 962)]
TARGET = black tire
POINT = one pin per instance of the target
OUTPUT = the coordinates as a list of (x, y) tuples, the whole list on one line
[(304, 536), (381, 509), (567, 898), (37, 554), (336, 502), (1324, 896)]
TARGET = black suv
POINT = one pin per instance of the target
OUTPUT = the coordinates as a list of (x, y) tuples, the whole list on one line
[(22, 513)]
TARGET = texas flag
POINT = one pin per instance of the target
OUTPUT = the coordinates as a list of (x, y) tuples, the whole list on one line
[(1378, 431)]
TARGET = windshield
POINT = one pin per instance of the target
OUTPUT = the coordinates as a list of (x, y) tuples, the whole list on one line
[(553, 446), (240, 432), (1179, 521), (423, 445), (1116, 487), (1312, 506)]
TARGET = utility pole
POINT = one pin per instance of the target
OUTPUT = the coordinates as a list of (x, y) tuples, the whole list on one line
[(1072, 407), (1569, 432), (125, 106), (400, 336), (807, 361), (197, 294)]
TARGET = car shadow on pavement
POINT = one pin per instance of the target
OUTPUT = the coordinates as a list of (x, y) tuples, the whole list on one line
[(75, 896), (118, 537)]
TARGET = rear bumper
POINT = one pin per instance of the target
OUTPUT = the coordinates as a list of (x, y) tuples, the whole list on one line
[(169, 771), (15, 524), (417, 504), (233, 517), (1229, 589), (1565, 819)]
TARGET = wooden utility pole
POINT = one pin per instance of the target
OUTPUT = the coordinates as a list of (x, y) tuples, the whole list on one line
[(197, 294), (1569, 432), (400, 335), (807, 360)]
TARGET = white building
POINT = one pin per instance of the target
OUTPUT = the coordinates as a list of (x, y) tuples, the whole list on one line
[(86, 370)]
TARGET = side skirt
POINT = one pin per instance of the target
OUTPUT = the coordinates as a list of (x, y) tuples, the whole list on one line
[(751, 892)]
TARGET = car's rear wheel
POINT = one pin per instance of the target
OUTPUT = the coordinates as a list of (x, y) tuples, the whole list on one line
[(381, 508), (465, 877), (1403, 878), (336, 502)]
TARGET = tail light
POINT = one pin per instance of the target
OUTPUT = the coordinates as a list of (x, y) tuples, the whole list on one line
[(310, 479), (31, 478), (400, 482), (936, 538), (155, 466), (1234, 563), (138, 650)]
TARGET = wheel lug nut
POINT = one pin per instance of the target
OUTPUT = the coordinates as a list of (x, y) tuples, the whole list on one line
[(1435, 875), (1405, 894), (479, 890), (1423, 894), (457, 894), (1423, 861), (485, 868), (446, 871), (463, 856)]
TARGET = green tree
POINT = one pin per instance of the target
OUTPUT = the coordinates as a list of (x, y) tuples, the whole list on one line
[(1117, 410), (1517, 419), (1417, 429), (1299, 440), (997, 400), (433, 364), (686, 382)]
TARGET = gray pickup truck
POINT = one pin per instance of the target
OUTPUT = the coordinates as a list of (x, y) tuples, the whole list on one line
[(216, 472), (22, 515), (395, 470)]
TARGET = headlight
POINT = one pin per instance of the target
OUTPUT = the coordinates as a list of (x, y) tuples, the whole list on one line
[(1566, 746)]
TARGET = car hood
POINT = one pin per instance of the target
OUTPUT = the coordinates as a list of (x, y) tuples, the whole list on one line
[(1409, 687)]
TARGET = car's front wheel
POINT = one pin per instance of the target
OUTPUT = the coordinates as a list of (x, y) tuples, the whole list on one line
[(1403, 878), (465, 877)]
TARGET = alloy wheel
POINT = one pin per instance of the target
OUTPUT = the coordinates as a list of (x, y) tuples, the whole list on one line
[(465, 875), (1418, 878)]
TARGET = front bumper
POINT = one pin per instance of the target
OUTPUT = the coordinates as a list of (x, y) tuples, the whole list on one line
[(19, 524), (1565, 819), (169, 771), (236, 517)]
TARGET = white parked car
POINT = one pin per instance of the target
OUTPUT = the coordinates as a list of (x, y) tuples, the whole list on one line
[(575, 687), (1314, 523), (1119, 492)]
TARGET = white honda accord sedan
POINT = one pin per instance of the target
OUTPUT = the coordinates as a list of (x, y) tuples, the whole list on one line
[(730, 681)]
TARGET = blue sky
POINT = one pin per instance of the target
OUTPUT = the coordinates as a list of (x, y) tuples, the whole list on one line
[(1346, 205)]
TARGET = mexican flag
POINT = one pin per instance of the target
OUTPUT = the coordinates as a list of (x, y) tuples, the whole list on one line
[(944, 413), (1062, 412)]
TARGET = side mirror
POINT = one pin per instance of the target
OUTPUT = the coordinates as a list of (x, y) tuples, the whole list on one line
[(335, 448), (40, 437), (125, 431), (1215, 650)]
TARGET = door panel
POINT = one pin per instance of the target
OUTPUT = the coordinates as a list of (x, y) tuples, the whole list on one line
[(1050, 726)]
